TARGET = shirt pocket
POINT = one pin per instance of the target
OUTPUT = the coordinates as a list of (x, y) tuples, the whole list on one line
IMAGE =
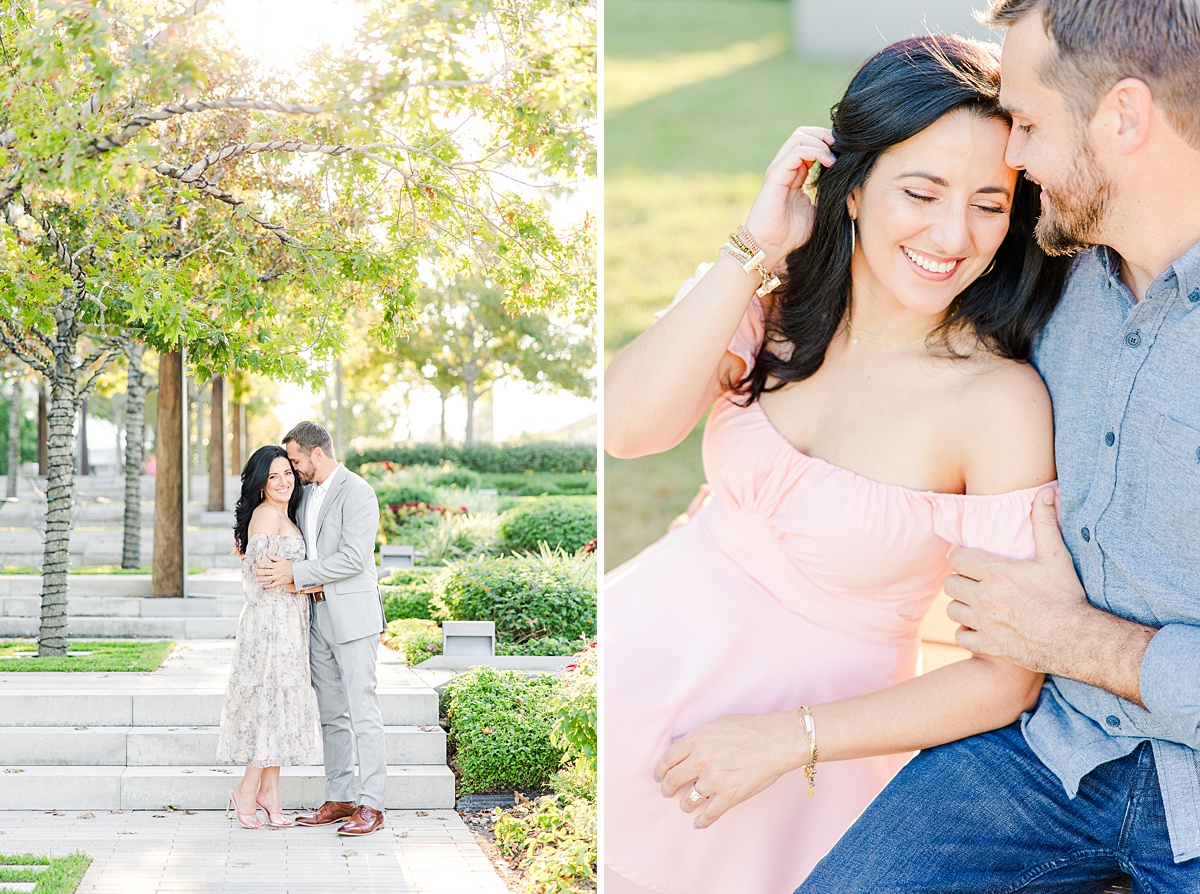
[(1172, 515)]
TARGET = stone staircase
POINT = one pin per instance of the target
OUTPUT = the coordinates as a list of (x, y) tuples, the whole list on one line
[(120, 606), (148, 741)]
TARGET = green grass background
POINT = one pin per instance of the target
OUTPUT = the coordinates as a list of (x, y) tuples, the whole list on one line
[(699, 95)]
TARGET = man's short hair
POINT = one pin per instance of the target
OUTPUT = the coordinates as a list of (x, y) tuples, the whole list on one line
[(308, 435), (1099, 42)]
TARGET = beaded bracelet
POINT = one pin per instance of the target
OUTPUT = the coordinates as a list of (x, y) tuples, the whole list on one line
[(744, 248)]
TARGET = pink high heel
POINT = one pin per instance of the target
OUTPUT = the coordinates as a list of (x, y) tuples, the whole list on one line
[(252, 823), (282, 823)]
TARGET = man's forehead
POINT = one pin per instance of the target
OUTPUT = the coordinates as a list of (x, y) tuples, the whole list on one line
[(1021, 57)]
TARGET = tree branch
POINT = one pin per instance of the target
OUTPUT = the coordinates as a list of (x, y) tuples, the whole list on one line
[(203, 186), (119, 138), (15, 340), (104, 358)]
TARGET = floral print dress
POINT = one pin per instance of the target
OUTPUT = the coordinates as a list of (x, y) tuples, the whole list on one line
[(269, 716)]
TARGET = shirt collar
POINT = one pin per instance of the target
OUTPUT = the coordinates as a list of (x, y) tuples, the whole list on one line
[(1185, 270), (324, 487)]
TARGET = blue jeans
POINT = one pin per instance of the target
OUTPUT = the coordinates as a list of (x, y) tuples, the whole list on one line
[(985, 816)]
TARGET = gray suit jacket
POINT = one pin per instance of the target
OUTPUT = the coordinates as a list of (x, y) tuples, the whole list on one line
[(346, 529)]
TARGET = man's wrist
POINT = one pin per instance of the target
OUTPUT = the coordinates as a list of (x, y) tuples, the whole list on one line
[(1103, 650)]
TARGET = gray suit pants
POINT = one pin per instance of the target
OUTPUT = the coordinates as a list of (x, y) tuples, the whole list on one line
[(343, 676)]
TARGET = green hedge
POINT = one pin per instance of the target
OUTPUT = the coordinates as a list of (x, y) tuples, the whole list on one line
[(558, 522), (418, 639), (538, 484), (501, 723), (528, 597), (537, 456)]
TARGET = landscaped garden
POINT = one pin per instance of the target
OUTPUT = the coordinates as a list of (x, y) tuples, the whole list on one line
[(506, 534)]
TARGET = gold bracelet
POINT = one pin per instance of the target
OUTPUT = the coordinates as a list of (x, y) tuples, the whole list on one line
[(744, 248), (810, 736)]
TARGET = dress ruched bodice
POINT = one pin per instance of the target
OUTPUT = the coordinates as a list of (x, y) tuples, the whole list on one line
[(284, 546), (840, 549)]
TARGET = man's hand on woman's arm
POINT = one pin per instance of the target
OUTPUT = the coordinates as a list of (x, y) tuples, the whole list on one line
[(1035, 613)]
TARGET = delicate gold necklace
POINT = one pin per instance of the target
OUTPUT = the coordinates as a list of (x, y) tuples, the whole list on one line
[(857, 335)]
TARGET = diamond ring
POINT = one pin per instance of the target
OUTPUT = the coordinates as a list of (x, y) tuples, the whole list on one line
[(694, 796)]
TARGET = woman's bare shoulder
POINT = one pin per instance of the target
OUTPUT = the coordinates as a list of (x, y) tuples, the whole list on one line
[(1006, 423), (266, 519)]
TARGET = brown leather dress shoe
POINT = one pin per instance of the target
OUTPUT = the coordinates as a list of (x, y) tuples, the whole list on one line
[(329, 812), (365, 821)]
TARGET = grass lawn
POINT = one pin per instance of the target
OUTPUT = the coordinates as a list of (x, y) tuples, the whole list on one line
[(62, 875), (106, 656), (699, 95)]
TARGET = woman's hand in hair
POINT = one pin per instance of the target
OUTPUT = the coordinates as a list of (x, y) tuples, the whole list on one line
[(782, 215)]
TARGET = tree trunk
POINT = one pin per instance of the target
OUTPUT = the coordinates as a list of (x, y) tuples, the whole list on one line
[(85, 463), (14, 437), (472, 395), (195, 410), (43, 432), (60, 487), (135, 450), (237, 420), (168, 570), (216, 448), (445, 395), (339, 396)]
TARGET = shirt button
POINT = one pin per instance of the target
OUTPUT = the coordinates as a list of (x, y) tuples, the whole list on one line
[(1112, 720), (1086, 535), (1110, 439), (1134, 338), (1194, 296)]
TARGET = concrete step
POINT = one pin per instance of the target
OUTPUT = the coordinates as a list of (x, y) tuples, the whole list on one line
[(76, 704), (409, 787), (174, 746), (225, 583), (129, 628), (127, 607)]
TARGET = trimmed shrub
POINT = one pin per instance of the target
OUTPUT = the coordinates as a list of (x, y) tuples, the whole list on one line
[(411, 601), (464, 479), (542, 484), (544, 646), (539, 456), (417, 639), (528, 597), (559, 523), (402, 577), (399, 493), (500, 728)]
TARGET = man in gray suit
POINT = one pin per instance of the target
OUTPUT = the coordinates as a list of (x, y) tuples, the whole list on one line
[(339, 517)]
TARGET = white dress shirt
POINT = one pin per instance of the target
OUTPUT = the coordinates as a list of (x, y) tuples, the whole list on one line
[(313, 511)]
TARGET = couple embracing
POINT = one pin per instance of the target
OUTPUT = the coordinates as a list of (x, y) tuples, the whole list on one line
[(307, 637), (996, 289)]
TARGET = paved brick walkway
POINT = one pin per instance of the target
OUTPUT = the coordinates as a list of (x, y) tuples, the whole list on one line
[(147, 852)]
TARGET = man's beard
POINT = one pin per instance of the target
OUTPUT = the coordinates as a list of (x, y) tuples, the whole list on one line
[(1072, 214)]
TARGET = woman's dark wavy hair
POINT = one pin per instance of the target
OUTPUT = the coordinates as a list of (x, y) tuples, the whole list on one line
[(900, 91), (254, 480)]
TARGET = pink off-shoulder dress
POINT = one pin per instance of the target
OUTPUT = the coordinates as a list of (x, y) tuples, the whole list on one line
[(799, 582)]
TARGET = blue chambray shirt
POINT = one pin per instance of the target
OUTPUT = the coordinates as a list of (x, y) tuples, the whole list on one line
[(1124, 377)]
